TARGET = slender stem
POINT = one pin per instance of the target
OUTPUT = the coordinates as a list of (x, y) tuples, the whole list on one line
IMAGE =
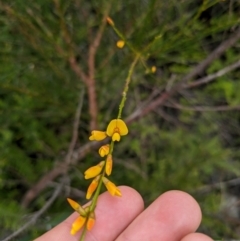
[(83, 233), (125, 90)]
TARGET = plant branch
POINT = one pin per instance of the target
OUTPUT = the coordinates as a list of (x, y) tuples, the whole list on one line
[(91, 84), (211, 77), (75, 128), (203, 108)]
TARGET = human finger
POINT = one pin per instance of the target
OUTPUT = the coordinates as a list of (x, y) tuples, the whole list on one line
[(113, 214), (196, 237), (170, 217)]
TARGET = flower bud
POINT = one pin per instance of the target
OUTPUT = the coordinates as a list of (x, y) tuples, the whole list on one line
[(104, 150), (94, 170), (90, 221), (92, 187), (77, 207), (109, 163), (77, 224), (111, 187)]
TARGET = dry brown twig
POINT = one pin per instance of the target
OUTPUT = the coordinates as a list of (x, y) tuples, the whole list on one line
[(211, 77), (203, 108)]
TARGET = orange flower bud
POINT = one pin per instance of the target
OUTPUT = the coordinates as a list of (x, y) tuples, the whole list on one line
[(109, 163), (110, 21), (90, 221), (111, 187), (104, 150), (77, 224), (94, 170), (92, 187)]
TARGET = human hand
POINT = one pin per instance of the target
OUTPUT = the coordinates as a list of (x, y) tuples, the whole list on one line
[(174, 216)]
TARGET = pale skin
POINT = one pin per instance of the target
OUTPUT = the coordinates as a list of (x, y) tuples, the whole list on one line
[(173, 216)]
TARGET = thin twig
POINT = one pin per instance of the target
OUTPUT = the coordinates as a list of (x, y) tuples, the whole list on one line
[(75, 128), (211, 77), (37, 214), (74, 191), (169, 118), (203, 108)]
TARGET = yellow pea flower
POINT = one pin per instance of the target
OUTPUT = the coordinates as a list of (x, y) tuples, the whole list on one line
[(77, 224), (92, 187), (109, 163), (97, 135), (94, 170), (111, 187), (104, 150), (117, 128)]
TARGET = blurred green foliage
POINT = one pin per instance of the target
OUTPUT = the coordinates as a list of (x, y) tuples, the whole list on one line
[(170, 148)]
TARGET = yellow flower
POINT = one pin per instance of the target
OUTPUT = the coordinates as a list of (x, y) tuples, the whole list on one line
[(90, 221), (94, 170), (77, 207), (104, 150), (97, 135), (77, 224), (109, 163), (111, 187), (92, 187), (117, 128), (120, 44)]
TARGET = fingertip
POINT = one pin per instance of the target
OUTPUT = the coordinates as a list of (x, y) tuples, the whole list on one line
[(171, 216), (196, 237), (183, 208)]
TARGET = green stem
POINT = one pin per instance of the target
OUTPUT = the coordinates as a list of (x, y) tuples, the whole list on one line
[(125, 90), (83, 233)]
